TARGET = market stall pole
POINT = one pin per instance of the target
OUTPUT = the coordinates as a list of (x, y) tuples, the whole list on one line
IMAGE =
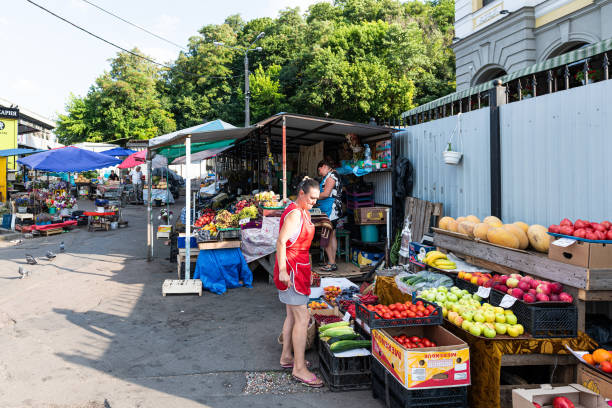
[(284, 158), (149, 209)]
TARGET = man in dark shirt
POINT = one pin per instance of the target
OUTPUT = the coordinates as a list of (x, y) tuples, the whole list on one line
[(113, 176)]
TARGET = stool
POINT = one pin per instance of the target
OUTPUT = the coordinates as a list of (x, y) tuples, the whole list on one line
[(340, 233)]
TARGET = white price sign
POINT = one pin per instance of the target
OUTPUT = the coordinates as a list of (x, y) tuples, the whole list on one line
[(564, 242), (507, 301), (483, 292), (347, 317), (244, 221)]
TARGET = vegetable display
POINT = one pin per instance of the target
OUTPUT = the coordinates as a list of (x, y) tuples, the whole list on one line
[(594, 231), (401, 310), (410, 342)]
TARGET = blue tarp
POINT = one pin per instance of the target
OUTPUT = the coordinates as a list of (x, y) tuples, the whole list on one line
[(18, 152), (222, 269), (118, 151), (68, 158)]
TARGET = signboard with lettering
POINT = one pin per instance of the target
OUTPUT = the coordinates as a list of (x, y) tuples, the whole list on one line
[(8, 137), (9, 113)]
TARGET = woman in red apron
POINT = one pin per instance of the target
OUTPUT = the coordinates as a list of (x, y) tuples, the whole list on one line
[(292, 278)]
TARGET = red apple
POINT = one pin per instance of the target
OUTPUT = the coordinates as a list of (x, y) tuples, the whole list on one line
[(606, 224), (512, 282), (555, 287), (533, 292), (524, 286), (541, 297), (566, 230), (580, 233), (488, 283), (554, 297), (534, 284), (554, 229), (600, 235), (502, 288), (503, 279), (517, 293), (566, 297), (543, 288), (609, 235), (566, 222), (529, 298)]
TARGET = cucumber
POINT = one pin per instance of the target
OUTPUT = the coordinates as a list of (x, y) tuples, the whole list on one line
[(330, 325), (344, 345), (336, 331), (352, 336)]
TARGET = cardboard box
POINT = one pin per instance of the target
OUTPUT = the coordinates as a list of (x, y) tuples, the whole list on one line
[(447, 365), (418, 252), (595, 381), (580, 396), (586, 254), (371, 215)]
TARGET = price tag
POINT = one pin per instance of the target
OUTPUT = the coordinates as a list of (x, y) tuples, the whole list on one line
[(507, 301), (347, 317), (244, 221), (564, 242), (483, 292)]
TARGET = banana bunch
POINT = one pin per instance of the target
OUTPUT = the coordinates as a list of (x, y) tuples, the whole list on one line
[(439, 260)]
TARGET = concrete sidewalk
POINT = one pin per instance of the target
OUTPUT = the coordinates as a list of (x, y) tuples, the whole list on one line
[(91, 329)]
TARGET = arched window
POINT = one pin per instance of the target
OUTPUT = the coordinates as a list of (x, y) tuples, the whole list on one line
[(567, 47), (488, 75)]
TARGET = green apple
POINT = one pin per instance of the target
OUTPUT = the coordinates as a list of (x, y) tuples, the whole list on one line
[(510, 319), (455, 290), (486, 305), (475, 303), (475, 330), (508, 312), (467, 315), (466, 325), (451, 315), (479, 317), (489, 316), (466, 296), (430, 296), (441, 297), (501, 328), (464, 292), (520, 328), (452, 297), (456, 307), (476, 297), (513, 331), (499, 310), (500, 318), (489, 332), (443, 289), (444, 311)]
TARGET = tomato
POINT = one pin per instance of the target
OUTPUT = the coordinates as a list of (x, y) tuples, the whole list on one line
[(415, 339), (419, 314), (404, 315), (427, 343), (433, 344), (397, 315), (411, 314), (387, 316), (413, 308), (403, 337), (420, 308), (430, 308), (419, 303), (392, 306), (421, 345)]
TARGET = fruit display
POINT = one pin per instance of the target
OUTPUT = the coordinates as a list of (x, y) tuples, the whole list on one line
[(464, 310), (266, 196), (225, 219), (594, 231), (212, 228), (331, 293), (439, 260), (601, 359), (316, 280), (322, 319), (411, 342), (272, 204), (248, 212), (240, 205), (317, 305), (207, 217), (402, 310), (517, 235), (525, 288)]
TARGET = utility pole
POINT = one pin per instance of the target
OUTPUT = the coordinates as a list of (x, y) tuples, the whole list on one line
[(247, 91)]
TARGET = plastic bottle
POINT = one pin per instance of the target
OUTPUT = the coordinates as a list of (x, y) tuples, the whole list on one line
[(368, 156)]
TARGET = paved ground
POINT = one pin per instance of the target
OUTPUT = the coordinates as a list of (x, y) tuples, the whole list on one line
[(90, 329)]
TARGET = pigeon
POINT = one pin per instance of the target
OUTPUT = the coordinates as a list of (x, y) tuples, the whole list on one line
[(50, 255), (30, 260), (24, 274), (62, 246)]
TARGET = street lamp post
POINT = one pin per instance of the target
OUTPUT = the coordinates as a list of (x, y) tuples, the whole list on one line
[(247, 91)]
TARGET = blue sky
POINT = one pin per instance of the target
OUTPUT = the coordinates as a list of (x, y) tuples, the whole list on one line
[(45, 59)]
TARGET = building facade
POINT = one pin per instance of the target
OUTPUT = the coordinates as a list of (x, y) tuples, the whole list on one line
[(496, 37)]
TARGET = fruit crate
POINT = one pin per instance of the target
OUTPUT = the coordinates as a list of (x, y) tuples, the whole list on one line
[(229, 233), (373, 320), (543, 320), (344, 373), (394, 395), (469, 286)]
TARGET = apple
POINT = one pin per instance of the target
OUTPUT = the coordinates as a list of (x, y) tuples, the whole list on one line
[(516, 276), (513, 331), (517, 293), (451, 315), (474, 280), (488, 283), (466, 325), (606, 224), (489, 332), (430, 296), (533, 292), (479, 317), (554, 229), (512, 283), (503, 279), (452, 297), (500, 318), (555, 287), (580, 233), (500, 328), (476, 330), (489, 316), (529, 297), (482, 280), (467, 315), (566, 230), (566, 297), (534, 283), (498, 309), (440, 297), (511, 319), (476, 298), (543, 288), (566, 222), (443, 289), (520, 328), (541, 297), (524, 286)]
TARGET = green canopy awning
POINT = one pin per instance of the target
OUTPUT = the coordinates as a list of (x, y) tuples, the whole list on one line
[(174, 151)]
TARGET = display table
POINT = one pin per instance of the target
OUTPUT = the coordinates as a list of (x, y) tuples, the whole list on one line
[(48, 229), (222, 269), (156, 194), (99, 221)]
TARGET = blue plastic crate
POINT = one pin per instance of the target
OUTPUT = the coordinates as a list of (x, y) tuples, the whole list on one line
[(181, 242)]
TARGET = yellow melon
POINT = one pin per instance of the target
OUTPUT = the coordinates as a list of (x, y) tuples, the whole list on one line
[(461, 219), (503, 237), (443, 224), (518, 232), (522, 226), (467, 227), (480, 231), (493, 221), (539, 238), (473, 218), (453, 226)]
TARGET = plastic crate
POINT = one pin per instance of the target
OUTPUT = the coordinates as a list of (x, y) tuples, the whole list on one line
[(352, 195), (353, 205), (543, 320), (469, 286), (367, 317), (229, 233), (394, 395), (344, 374)]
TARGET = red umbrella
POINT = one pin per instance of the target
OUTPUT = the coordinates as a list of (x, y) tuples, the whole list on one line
[(134, 160)]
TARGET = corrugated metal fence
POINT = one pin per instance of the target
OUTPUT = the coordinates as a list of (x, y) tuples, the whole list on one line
[(463, 189), (555, 152)]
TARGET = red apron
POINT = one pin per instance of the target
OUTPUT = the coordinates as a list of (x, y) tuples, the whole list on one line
[(298, 259)]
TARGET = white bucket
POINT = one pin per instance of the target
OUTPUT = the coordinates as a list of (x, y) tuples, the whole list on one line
[(114, 225), (100, 209), (451, 157)]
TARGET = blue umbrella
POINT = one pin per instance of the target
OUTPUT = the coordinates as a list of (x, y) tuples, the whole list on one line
[(68, 159), (118, 151)]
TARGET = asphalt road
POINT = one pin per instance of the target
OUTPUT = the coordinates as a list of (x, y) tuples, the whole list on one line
[(90, 329)]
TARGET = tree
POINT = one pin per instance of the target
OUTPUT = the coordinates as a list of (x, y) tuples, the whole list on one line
[(265, 92), (123, 103)]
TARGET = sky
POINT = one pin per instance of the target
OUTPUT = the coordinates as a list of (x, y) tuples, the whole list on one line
[(46, 59)]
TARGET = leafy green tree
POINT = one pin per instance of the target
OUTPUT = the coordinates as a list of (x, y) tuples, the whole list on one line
[(265, 92)]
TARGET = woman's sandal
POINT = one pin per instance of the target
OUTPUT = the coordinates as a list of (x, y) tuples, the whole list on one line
[(314, 382), (290, 365), (329, 268)]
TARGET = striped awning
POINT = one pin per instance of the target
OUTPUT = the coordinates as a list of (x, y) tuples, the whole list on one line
[(568, 58)]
